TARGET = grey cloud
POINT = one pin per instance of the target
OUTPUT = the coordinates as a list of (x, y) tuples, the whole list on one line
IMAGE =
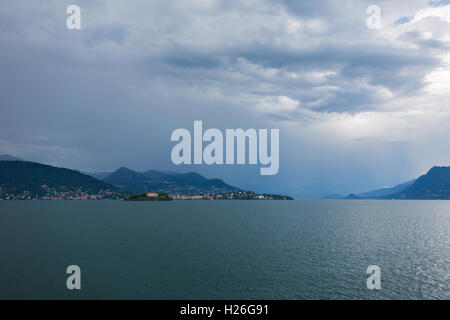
[(416, 38), (117, 33)]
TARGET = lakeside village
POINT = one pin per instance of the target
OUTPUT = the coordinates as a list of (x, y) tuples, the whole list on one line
[(49, 193), (238, 195)]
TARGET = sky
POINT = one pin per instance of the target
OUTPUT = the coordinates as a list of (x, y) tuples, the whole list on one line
[(357, 108)]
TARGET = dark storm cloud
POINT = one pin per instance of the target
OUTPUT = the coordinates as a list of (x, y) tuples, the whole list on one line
[(400, 71)]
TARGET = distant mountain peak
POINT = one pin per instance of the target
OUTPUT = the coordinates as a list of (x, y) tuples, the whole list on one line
[(437, 169), (383, 192), (124, 169)]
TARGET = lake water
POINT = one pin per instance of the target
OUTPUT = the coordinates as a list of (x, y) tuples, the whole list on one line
[(225, 249)]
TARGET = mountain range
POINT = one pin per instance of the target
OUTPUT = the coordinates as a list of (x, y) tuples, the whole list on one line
[(382, 192), (173, 183), (31, 180), (434, 185), (21, 179)]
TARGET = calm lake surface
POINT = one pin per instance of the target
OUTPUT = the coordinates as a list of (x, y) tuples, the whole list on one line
[(225, 249)]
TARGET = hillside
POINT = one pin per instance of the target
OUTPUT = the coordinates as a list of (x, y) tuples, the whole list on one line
[(30, 180), (381, 193), (434, 185), (171, 183)]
